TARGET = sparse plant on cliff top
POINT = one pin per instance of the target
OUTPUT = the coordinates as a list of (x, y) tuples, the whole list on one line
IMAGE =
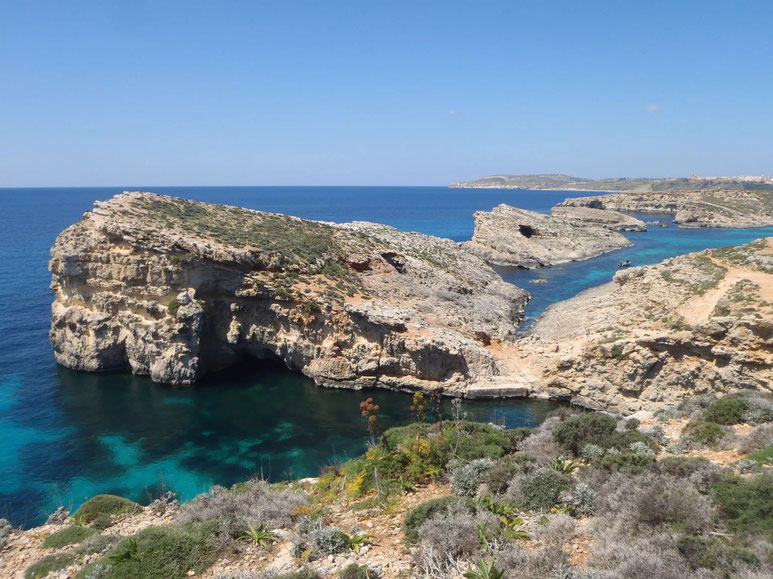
[(419, 406), (356, 541), (484, 569), (370, 411), (260, 537)]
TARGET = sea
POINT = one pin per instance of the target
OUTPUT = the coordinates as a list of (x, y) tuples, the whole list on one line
[(66, 436)]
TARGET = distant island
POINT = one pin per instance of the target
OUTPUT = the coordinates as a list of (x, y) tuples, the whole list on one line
[(615, 185)]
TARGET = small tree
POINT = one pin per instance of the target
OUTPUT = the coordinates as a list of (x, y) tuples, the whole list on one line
[(370, 410)]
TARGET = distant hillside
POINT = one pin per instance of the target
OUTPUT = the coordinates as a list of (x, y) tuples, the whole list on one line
[(567, 182)]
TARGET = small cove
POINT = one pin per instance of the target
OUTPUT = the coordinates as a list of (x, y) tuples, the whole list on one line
[(70, 435)]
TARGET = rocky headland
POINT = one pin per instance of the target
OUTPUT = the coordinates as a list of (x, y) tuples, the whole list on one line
[(695, 324), (174, 289), (690, 209), (613, 220), (512, 237)]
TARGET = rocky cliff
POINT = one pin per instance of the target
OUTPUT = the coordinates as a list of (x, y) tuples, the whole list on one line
[(175, 289), (692, 208), (613, 220), (508, 236), (698, 323)]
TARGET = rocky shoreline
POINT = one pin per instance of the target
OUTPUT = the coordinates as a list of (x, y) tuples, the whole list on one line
[(176, 289)]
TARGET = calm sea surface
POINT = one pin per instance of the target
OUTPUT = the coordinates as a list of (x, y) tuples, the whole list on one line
[(67, 435)]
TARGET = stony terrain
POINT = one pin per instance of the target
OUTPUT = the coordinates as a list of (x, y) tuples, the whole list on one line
[(697, 323), (508, 236), (635, 185), (174, 289), (726, 208)]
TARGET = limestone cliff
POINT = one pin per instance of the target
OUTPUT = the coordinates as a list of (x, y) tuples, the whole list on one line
[(508, 236), (691, 208), (175, 289), (698, 323), (613, 220)]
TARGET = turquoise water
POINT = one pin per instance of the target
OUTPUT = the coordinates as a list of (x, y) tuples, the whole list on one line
[(68, 435)]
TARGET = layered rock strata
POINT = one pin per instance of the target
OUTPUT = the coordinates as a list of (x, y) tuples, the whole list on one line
[(692, 208), (613, 220), (512, 237), (174, 289), (696, 324)]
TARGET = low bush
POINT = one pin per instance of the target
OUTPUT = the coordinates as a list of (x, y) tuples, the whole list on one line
[(417, 516), (763, 457), (502, 472), (355, 571), (541, 490), (105, 505), (256, 503), (746, 503), (49, 564), (702, 433), (466, 478), (582, 498), (168, 551), (327, 540), (728, 410), (759, 438), (457, 532), (599, 430), (576, 431), (5, 530), (68, 536), (628, 462)]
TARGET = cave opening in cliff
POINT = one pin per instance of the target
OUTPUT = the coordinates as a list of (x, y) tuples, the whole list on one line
[(527, 231)]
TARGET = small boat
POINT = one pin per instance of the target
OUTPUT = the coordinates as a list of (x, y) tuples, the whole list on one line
[(626, 263)]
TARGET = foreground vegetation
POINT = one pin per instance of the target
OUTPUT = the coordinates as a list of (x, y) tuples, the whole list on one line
[(518, 503)]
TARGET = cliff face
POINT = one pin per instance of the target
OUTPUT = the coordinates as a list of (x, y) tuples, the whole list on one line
[(509, 236), (691, 208), (698, 323), (175, 289)]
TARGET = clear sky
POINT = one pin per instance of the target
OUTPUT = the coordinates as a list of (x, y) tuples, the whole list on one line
[(366, 92)]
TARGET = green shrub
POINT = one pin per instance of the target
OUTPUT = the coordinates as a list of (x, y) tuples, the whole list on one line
[(466, 479), (102, 522), (417, 516), (355, 571), (762, 457), (714, 553), (68, 536), (746, 503), (628, 462), (729, 410), (169, 552), (542, 489), (576, 431), (682, 466), (499, 476), (49, 564), (704, 433), (110, 505)]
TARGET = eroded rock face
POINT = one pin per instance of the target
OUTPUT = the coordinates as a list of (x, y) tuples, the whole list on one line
[(508, 236), (699, 323), (613, 220), (691, 208), (174, 289)]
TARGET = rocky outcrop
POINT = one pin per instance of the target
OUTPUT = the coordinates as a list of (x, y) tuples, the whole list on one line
[(508, 236), (613, 220), (695, 324), (174, 289), (691, 208)]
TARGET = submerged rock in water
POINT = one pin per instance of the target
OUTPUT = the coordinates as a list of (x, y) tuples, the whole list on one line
[(174, 289)]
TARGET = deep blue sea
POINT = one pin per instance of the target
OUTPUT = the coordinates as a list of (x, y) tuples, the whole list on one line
[(65, 436)]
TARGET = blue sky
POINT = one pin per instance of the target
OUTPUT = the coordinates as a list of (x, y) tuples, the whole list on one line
[(380, 92)]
